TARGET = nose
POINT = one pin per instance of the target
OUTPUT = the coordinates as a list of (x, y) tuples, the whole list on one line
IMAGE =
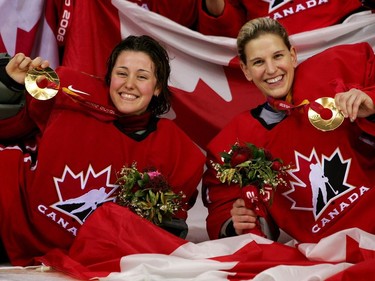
[(271, 67), (129, 82)]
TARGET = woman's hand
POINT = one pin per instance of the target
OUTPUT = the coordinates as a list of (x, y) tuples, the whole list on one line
[(20, 64), (242, 217), (215, 7), (354, 103)]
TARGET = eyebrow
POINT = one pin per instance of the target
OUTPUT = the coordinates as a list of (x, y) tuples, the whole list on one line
[(139, 70), (275, 53)]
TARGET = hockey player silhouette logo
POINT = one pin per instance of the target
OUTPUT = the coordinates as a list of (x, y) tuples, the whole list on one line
[(319, 183), (82, 206), (81, 194), (323, 179)]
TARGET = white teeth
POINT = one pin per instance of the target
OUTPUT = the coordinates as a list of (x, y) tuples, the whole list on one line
[(128, 96), (274, 80)]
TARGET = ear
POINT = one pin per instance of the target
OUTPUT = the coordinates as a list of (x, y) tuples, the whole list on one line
[(293, 54), (157, 91), (245, 71)]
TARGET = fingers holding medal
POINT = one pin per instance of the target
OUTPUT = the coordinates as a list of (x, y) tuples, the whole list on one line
[(355, 103)]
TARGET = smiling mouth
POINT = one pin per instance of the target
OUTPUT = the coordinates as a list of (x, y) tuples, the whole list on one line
[(129, 97), (274, 80)]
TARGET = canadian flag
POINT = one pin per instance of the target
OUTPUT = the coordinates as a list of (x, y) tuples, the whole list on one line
[(209, 90), (116, 244), (209, 87)]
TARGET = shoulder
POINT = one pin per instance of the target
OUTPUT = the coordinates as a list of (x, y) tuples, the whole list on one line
[(342, 53), (244, 116), (238, 127), (167, 123), (325, 73), (170, 128), (71, 73), (355, 49), (69, 76), (83, 84)]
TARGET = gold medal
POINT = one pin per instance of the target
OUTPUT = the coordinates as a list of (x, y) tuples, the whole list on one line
[(42, 84), (324, 115)]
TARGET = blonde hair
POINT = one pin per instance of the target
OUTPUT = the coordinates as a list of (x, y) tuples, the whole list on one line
[(256, 27)]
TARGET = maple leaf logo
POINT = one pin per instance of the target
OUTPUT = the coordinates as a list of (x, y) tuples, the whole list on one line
[(315, 182), (275, 4), (79, 194)]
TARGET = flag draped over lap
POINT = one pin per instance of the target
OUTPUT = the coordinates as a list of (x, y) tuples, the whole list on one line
[(116, 244)]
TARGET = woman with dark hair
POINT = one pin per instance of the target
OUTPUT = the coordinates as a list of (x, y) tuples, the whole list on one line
[(63, 154), (159, 104)]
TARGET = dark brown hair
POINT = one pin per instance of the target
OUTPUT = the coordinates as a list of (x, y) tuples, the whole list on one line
[(159, 104)]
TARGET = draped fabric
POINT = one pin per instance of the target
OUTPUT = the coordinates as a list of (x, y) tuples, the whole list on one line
[(110, 250), (209, 89)]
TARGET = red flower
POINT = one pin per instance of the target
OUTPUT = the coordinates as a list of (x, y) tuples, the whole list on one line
[(268, 154), (240, 155), (276, 165)]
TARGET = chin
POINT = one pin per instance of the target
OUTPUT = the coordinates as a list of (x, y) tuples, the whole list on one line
[(278, 97), (123, 111)]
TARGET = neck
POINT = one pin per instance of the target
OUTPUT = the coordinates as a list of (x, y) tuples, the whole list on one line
[(134, 123)]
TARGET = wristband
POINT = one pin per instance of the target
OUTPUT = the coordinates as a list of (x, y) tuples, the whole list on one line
[(371, 118), (228, 229)]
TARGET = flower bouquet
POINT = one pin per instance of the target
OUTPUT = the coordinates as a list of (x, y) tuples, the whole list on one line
[(148, 194), (255, 171)]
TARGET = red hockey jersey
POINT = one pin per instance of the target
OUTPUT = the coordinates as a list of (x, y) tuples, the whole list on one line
[(296, 16), (344, 157), (50, 187), (184, 12)]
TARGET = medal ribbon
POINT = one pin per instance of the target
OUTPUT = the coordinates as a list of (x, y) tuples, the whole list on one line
[(97, 107), (284, 105), (287, 106), (128, 123), (43, 82)]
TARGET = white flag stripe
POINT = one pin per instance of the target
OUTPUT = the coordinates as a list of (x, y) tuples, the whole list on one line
[(318, 272), (333, 248), (219, 247), (190, 261), (163, 267)]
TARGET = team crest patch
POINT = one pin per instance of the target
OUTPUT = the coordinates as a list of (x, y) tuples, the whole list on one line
[(280, 10), (276, 4), (325, 180), (80, 194)]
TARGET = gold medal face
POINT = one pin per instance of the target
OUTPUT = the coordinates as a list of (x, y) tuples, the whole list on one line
[(37, 77), (325, 124)]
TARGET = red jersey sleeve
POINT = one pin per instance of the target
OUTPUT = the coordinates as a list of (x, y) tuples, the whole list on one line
[(227, 24)]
